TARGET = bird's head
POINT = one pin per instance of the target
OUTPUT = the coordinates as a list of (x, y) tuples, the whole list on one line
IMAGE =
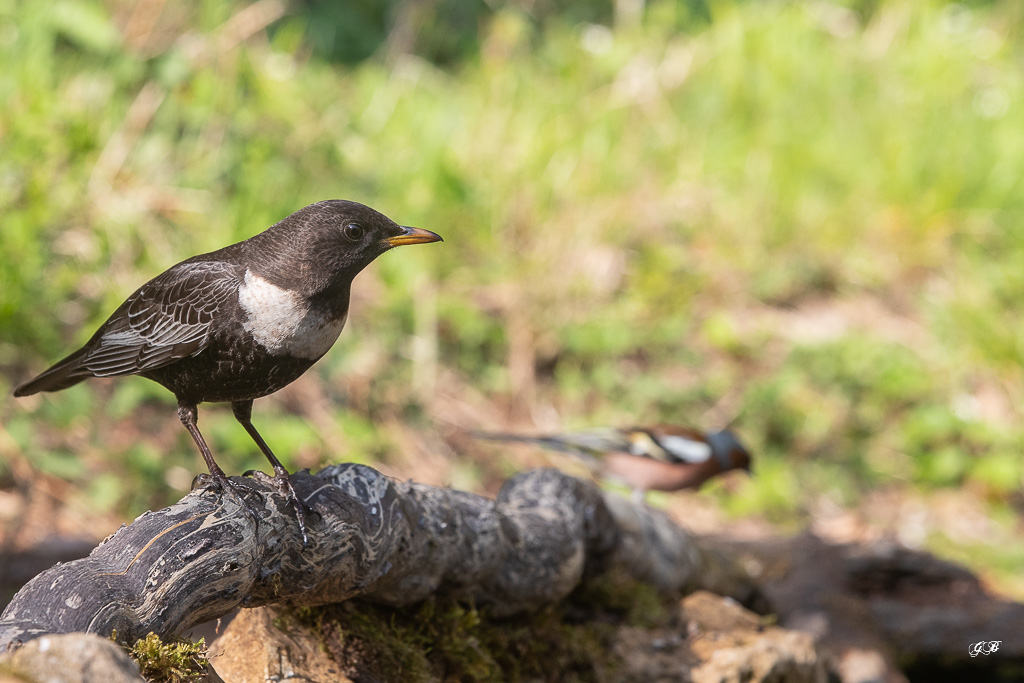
[(329, 242), (725, 442)]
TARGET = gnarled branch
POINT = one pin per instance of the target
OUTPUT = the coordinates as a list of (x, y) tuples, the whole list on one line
[(371, 536)]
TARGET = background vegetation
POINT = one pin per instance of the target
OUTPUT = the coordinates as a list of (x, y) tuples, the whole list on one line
[(802, 218)]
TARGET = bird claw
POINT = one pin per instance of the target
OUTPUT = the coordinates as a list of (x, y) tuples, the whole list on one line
[(236, 491), (284, 483), (201, 481)]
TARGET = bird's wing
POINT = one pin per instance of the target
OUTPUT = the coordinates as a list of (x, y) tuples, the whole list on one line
[(670, 443), (167, 319), (592, 442)]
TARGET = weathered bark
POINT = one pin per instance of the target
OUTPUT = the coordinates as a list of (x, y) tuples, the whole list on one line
[(371, 536), (18, 567)]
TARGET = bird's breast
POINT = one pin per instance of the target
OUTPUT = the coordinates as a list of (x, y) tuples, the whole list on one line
[(283, 323)]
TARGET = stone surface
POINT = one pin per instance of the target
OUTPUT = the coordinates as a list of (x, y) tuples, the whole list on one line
[(253, 649), (70, 658), (718, 641), (733, 646)]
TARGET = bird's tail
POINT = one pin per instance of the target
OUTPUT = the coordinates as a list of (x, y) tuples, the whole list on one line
[(547, 441), (590, 444), (62, 375)]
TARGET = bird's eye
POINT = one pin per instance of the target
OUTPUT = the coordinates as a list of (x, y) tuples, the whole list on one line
[(354, 232)]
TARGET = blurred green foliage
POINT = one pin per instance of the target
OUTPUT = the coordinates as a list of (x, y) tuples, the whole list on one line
[(806, 217)]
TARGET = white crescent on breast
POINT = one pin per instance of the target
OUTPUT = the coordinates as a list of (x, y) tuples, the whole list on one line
[(282, 323)]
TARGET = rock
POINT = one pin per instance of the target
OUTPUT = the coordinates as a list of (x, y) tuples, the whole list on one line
[(734, 646), (253, 649), (70, 658), (776, 655), (718, 641)]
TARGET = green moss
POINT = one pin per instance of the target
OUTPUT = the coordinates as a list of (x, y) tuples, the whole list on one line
[(636, 603), (176, 661), (441, 639)]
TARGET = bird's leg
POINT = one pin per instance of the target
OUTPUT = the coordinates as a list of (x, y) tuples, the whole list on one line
[(188, 413), (243, 413)]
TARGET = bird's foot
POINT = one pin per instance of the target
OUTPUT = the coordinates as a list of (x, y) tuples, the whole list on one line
[(236, 491), (284, 483)]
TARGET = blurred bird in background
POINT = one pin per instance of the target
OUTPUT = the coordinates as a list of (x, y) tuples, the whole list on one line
[(658, 458)]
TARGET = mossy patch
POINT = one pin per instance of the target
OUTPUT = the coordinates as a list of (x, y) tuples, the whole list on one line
[(441, 639), (175, 661)]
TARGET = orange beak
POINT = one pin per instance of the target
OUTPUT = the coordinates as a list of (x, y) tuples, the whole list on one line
[(413, 236)]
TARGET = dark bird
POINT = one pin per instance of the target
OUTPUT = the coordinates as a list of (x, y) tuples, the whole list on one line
[(240, 322), (660, 458)]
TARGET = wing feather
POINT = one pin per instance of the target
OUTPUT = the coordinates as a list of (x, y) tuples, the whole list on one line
[(167, 319)]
